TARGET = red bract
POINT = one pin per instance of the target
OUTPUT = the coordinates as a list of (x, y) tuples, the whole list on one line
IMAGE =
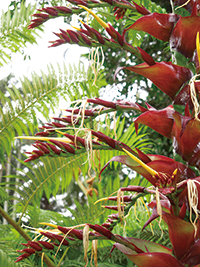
[(179, 31), (186, 133), (141, 9), (182, 236), (158, 25), (184, 96), (161, 164), (168, 77), (181, 233), (152, 252), (159, 120), (150, 259), (183, 38)]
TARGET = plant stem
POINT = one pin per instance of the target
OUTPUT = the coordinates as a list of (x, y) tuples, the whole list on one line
[(20, 230)]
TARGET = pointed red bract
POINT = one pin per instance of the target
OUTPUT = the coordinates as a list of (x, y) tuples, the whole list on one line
[(158, 25), (159, 120), (186, 132), (159, 163), (165, 204), (181, 233), (192, 256), (184, 96), (155, 259), (156, 254), (183, 38), (148, 246), (141, 9), (168, 77)]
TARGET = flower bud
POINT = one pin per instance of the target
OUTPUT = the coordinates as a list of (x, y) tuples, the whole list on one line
[(63, 145), (30, 251), (111, 207), (86, 112), (54, 149), (114, 216), (73, 36), (46, 245), (34, 245), (32, 157), (104, 138), (42, 134), (124, 198), (57, 43), (101, 102), (101, 230), (58, 125), (71, 232), (41, 15), (95, 34), (38, 152), (133, 188), (22, 257), (51, 11), (63, 9), (42, 147)]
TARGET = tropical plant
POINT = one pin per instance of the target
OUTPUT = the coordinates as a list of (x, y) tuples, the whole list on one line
[(173, 194)]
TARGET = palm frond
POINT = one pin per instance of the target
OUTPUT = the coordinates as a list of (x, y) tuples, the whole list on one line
[(14, 33)]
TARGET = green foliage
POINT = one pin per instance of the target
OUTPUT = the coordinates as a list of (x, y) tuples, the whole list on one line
[(20, 109), (6, 261), (14, 34), (44, 178)]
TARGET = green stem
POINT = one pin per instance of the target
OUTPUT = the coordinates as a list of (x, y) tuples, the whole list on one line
[(15, 225), (176, 206), (20, 230)]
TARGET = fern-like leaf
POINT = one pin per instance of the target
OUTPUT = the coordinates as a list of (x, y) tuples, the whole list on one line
[(14, 32), (18, 111), (6, 261), (46, 177)]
